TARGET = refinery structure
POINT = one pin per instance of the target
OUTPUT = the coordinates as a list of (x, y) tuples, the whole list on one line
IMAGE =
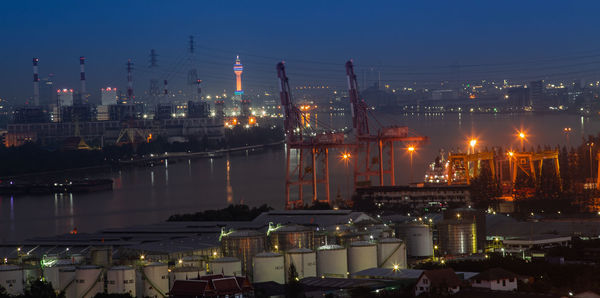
[(65, 113)]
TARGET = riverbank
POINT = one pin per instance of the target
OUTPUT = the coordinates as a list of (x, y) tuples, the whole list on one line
[(142, 161)]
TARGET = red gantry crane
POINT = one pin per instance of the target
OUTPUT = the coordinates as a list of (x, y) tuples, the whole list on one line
[(374, 152), (310, 166)]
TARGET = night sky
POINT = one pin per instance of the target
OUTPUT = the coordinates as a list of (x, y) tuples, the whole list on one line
[(408, 41)]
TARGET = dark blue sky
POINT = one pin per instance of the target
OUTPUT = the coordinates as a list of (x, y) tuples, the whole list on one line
[(405, 40)]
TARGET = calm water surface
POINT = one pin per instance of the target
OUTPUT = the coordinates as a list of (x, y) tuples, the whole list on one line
[(149, 195)]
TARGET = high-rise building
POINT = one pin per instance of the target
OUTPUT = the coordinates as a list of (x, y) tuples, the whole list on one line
[(238, 68), (65, 97), (109, 96), (536, 94)]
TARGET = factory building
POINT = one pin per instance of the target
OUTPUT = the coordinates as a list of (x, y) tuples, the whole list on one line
[(107, 132), (413, 197)]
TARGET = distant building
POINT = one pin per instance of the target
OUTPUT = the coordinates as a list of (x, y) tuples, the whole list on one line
[(518, 97), (197, 109), (536, 94), (109, 96), (443, 94), (495, 279), (30, 114), (415, 197), (65, 97)]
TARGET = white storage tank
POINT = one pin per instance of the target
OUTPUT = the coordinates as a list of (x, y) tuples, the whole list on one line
[(391, 253), (185, 273), (66, 281), (332, 261), (305, 261), (361, 255), (11, 279), (88, 281), (153, 280), (51, 275), (121, 280), (418, 239), (268, 266), (227, 266)]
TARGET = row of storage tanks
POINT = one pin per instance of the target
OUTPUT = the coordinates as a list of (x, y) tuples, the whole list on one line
[(245, 253), (336, 252)]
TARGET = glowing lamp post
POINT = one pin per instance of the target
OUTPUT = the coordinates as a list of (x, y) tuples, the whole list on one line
[(472, 143), (411, 150), (522, 138)]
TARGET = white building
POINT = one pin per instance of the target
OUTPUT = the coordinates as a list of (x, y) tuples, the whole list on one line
[(438, 282), (495, 279), (109, 96), (65, 97)]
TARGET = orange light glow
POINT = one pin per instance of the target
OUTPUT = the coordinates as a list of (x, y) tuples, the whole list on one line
[(251, 120), (473, 142), (411, 149)]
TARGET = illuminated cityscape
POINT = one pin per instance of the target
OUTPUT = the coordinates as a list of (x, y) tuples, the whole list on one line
[(368, 150)]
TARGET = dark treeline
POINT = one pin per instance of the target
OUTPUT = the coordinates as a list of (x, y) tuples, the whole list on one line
[(568, 192), (231, 213), (33, 157)]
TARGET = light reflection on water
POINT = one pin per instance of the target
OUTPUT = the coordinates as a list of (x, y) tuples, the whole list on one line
[(150, 194)]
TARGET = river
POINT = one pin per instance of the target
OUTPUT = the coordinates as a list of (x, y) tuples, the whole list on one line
[(144, 195)]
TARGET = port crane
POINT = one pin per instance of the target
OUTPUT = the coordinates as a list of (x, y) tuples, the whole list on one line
[(374, 152), (310, 166)]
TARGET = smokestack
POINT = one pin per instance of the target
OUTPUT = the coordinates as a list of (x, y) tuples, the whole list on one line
[(129, 81), (166, 88), (36, 83), (82, 76)]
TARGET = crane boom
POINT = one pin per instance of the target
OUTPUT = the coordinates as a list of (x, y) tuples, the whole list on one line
[(291, 113), (358, 107)]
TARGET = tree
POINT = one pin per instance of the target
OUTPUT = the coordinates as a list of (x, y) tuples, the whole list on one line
[(40, 289), (293, 288), (483, 188)]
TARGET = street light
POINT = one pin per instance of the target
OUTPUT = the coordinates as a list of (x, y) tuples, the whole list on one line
[(472, 143), (522, 138), (591, 144), (411, 150), (567, 131)]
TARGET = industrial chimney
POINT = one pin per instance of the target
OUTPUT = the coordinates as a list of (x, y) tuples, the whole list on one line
[(36, 83)]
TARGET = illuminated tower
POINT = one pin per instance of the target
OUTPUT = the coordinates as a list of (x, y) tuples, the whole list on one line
[(237, 69)]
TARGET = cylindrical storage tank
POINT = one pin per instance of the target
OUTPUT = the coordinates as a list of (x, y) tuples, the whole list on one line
[(121, 280), (51, 275), (66, 281), (227, 266), (304, 260), (31, 273), (268, 266), (361, 255), (154, 281), (458, 237), (473, 215), (332, 261), (88, 281), (418, 239), (185, 273), (11, 279), (291, 236), (101, 256), (243, 244), (391, 253)]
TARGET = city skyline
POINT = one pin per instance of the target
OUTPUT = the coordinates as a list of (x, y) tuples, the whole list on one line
[(404, 42)]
